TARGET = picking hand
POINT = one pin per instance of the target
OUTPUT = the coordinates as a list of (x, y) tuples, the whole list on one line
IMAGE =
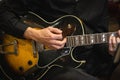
[(50, 37)]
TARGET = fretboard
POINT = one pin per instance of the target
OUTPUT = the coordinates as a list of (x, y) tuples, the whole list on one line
[(89, 39)]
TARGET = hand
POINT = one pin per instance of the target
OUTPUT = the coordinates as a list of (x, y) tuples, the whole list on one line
[(50, 37), (113, 43)]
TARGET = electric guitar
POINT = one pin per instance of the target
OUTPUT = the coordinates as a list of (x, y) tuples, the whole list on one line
[(23, 57)]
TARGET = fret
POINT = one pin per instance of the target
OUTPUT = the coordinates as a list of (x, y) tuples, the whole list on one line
[(72, 41), (100, 38), (104, 38), (82, 40), (79, 38), (97, 38), (88, 39), (68, 43), (107, 37), (77, 41), (92, 39)]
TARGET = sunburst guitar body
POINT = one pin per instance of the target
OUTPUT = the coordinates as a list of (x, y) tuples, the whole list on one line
[(20, 54)]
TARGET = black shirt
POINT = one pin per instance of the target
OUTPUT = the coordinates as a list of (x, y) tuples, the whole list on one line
[(93, 12)]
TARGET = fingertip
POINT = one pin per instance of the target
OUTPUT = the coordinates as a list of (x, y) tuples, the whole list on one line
[(59, 30), (56, 30)]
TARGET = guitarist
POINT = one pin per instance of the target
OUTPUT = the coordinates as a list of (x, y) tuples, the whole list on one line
[(94, 15)]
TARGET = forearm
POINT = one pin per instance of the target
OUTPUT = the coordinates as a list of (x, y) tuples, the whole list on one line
[(30, 33)]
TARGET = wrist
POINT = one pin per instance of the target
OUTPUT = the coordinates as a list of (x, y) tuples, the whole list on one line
[(28, 34)]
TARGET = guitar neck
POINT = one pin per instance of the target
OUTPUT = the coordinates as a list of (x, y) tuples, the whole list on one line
[(89, 39)]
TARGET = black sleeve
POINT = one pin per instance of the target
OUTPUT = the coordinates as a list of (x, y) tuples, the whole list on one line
[(11, 23)]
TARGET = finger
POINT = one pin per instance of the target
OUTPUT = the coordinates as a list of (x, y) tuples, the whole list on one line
[(58, 42), (55, 30), (110, 44), (114, 41), (119, 33), (55, 47), (118, 40), (57, 36)]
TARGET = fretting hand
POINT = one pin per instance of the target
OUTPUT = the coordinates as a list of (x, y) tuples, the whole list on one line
[(113, 43)]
